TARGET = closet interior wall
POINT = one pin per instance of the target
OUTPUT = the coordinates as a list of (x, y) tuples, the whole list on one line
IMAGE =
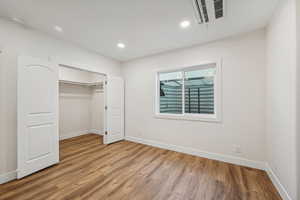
[(81, 103)]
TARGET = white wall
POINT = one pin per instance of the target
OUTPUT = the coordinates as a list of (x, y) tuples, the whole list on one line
[(281, 96), (97, 113), (298, 93), (243, 99), (75, 75), (16, 40), (74, 110), (2, 117), (81, 110)]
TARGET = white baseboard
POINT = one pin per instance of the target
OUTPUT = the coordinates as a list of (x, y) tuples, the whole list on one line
[(73, 134), (214, 156), (96, 131), (220, 157), (275, 180), (4, 178)]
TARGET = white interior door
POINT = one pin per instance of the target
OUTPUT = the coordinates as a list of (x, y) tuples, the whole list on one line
[(38, 141), (114, 110)]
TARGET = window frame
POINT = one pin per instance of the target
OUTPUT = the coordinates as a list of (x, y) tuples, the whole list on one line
[(216, 117)]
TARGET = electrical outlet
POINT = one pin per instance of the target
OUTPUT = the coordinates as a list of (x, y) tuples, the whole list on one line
[(139, 133), (237, 149)]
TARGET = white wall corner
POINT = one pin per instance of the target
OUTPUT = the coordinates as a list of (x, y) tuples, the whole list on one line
[(276, 182), (9, 176), (95, 131), (196, 152), (73, 134)]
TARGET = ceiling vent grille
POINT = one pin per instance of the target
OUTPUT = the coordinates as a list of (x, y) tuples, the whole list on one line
[(207, 11)]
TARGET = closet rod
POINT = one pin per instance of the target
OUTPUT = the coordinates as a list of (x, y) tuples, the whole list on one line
[(81, 83)]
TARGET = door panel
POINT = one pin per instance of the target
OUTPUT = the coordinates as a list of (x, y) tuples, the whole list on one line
[(39, 78), (38, 146), (115, 110)]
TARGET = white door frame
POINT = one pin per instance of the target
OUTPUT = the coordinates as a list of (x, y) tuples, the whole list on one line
[(104, 89), (105, 97)]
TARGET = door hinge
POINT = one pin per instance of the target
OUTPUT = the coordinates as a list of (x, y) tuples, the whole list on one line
[(105, 107), (105, 82), (105, 132)]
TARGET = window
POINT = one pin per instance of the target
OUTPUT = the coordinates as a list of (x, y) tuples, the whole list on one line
[(190, 93), (171, 92)]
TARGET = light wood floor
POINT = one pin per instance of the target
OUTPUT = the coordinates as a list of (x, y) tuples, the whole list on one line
[(129, 171)]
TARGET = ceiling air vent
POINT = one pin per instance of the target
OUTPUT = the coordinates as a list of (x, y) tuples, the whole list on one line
[(207, 11)]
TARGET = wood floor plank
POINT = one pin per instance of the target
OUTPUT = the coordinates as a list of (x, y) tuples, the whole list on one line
[(130, 171)]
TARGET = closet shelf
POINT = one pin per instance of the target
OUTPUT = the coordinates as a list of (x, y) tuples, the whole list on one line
[(81, 83)]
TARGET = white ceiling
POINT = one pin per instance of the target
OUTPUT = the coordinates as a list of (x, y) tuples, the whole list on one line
[(145, 26)]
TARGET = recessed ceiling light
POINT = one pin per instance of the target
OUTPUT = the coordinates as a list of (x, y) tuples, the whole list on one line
[(58, 29), (185, 24), (121, 45), (18, 20)]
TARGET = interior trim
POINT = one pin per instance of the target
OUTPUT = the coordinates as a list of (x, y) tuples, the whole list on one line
[(196, 152), (9, 176), (275, 180)]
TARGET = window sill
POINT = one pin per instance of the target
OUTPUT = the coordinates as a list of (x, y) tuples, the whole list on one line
[(189, 117)]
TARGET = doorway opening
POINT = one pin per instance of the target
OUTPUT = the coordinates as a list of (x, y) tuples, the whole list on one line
[(60, 102), (82, 103)]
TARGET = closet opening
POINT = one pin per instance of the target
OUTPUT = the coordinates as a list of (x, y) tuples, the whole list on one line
[(81, 104)]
